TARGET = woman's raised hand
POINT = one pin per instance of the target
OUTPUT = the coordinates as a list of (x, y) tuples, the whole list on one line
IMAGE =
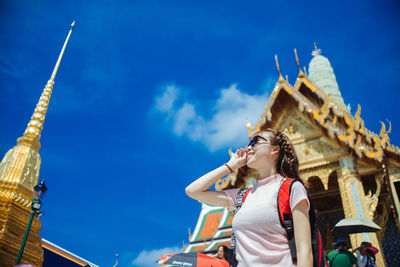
[(200, 188), (238, 159)]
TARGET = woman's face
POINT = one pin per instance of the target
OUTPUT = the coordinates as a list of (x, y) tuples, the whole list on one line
[(220, 253), (262, 153)]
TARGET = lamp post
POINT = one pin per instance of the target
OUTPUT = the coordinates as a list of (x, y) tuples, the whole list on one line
[(38, 193)]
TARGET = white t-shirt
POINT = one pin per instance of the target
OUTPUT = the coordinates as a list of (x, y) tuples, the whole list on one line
[(260, 238)]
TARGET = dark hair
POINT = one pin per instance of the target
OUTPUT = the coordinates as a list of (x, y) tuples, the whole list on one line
[(226, 252), (287, 164), (370, 253)]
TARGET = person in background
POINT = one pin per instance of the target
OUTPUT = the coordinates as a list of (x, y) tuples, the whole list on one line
[(222, 252), (341, 257), (368, 252)]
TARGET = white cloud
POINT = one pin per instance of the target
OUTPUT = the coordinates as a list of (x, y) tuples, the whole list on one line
[(225, 128), (166, 101), (149, 257)]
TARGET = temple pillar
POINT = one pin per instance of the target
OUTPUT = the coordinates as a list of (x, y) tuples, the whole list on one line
[(355, 205)]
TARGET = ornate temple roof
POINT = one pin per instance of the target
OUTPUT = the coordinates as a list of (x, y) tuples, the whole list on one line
[(214, 227), (57, 256), (333, 117)]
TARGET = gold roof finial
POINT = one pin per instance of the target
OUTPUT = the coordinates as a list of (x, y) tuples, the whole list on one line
[(301, 74), (250, 128), (316, 51), (190, 233), (35, 126), (279, 70)]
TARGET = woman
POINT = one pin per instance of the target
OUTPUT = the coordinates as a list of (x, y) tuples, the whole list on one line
[(367, 251), (222, 252), (260, 238)]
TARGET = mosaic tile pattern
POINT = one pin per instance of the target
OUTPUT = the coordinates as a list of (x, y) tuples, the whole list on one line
[(391, 245)]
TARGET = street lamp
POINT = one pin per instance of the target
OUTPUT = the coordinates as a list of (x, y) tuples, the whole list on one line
[(38, 193)]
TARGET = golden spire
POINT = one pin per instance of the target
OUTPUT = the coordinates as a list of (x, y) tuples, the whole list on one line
[(279, 70), (301, 74), (35, 126)]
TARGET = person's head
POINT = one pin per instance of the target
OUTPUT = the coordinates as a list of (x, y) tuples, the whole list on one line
[(222, 252), (366, 248), (341, 244), (271, 149)]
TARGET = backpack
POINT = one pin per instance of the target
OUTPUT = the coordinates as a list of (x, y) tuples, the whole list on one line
[(285, 218), (370, 262)]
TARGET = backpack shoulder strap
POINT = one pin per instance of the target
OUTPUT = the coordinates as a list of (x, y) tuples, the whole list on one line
[(283, 201), (286, 220), (285, 214), (240, 198), (339, 252)]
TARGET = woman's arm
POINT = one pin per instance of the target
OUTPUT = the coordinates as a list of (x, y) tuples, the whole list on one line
[(302, 234), (360, 262), (199, 189)]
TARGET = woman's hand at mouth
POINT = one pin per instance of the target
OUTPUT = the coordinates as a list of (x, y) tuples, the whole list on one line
[(238, 159)]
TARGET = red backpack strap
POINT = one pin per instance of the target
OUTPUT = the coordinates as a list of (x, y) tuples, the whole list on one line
[(285, 214), (283, 203), (285, 217), (245, 195)]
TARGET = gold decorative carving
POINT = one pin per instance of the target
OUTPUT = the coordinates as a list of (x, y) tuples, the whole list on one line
[(373, 198), (393, 169), (292, 122), (291, 130), (279, 70), (352, 133), (251, 129), (30, 174), (301, 74), (382, 218), (226, 181), (322, 173)]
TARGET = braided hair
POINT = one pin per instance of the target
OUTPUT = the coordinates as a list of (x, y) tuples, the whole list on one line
[(287, 164)]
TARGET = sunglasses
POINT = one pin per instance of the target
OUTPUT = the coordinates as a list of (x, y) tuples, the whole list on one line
[(254, 140)]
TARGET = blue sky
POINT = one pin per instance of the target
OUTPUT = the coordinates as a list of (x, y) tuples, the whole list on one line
[(151, 94)]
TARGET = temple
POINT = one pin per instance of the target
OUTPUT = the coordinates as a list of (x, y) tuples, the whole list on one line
[(55, 255), (350, 171)]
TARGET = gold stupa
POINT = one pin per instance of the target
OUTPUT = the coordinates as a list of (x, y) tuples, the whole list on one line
[(19, 173)]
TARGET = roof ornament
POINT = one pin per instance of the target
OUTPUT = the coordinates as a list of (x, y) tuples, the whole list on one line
[(301, 74), (316, 51), (35, 126), (279, 70), (305, 71), (116, 260), (251, 130), (384, 135), (190, 233)]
